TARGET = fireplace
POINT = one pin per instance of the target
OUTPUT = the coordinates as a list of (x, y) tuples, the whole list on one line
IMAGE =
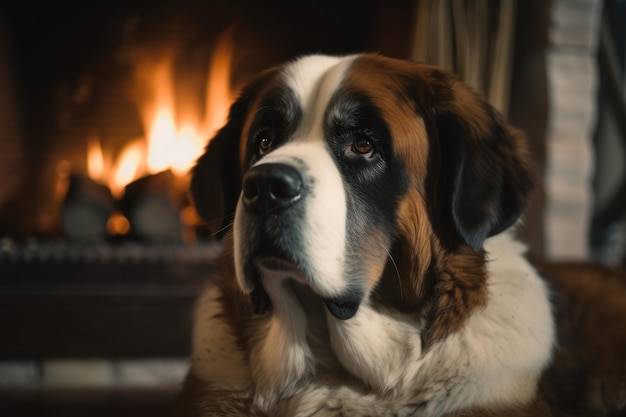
[(104, 108)]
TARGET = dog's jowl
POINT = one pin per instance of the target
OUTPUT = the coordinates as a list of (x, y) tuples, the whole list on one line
[(367, 207)]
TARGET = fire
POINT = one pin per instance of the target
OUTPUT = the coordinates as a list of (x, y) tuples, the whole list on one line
[(174, 138), (95, 159), (170, 147), (127, 167), (162, 138), (218, 93)]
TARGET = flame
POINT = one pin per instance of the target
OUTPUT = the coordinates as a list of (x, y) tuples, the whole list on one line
[(127, 167), (170, 147), (218, 92), (173, 144), (174, 140), (95, 159), (190, 145), (162, 140)]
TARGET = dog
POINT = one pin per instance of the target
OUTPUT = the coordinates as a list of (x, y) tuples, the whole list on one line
[(368, 208)]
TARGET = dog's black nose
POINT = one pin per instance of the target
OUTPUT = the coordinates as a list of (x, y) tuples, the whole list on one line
[(271, 186)]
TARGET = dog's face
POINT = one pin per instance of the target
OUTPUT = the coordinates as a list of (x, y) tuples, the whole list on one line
[(332, 169)]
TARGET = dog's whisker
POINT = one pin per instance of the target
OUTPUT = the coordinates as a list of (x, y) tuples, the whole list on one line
[(226, 227), (395, 266), (216, 222)]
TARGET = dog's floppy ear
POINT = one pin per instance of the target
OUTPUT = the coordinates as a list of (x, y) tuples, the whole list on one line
[(484, 176), (216, 177)]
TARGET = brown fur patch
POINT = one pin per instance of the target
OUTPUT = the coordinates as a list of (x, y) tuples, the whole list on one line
[(412, 255), (459, 289)]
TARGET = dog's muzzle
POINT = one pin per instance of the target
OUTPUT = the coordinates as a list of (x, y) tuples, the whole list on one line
[(272, 189)]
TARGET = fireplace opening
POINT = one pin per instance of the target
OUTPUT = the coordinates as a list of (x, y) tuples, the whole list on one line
[(115, 102)]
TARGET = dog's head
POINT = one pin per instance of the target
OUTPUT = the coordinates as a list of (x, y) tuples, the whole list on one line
[(328, 166)]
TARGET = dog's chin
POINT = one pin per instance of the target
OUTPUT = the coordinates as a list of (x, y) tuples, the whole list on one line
[(278, 267)]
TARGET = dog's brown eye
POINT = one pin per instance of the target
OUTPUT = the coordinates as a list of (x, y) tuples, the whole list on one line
[(364, 147), (265, 144)]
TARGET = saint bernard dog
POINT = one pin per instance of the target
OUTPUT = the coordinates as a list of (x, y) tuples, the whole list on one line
[(368, 207)]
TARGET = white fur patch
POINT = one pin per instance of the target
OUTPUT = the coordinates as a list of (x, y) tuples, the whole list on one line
[(381, 350), (314, 79)]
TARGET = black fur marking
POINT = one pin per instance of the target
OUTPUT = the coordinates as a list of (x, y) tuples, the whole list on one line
[(259, 297), (381, 181), (478, 183), (488, 187), (260, 300)]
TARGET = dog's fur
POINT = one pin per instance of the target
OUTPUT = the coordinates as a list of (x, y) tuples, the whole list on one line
[(372, 268)]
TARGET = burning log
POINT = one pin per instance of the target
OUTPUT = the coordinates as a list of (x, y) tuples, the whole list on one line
[(153, 204), (86, 209)]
